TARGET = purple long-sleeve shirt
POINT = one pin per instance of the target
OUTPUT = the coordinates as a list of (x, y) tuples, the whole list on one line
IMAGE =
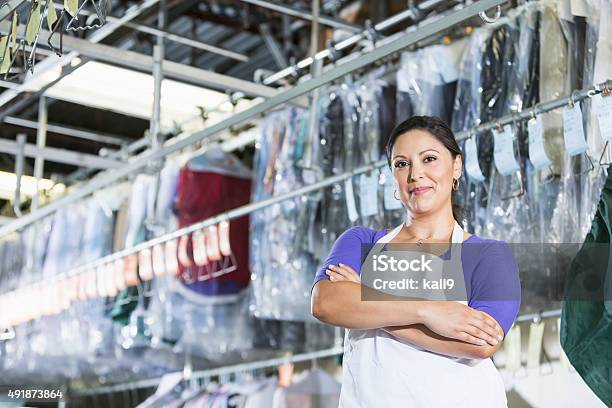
[(489, 269)]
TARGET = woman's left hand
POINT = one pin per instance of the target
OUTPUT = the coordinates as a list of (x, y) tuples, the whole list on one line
[(342, 273)]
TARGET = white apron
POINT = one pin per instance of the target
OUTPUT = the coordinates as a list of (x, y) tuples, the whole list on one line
[(381, 371)]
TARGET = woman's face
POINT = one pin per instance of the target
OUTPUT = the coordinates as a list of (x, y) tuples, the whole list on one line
[(423, 169)]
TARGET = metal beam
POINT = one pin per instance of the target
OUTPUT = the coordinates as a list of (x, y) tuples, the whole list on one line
[(68, 131), (174, 70), (61, 156), (53, 61), (272, 45), (305, 15), (339, 71), (8, 7), (176, 38)]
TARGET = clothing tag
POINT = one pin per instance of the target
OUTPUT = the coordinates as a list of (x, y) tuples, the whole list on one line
[(131, 269), (5, 55), (472, 168), (579, 8), (224, 238), (368, 193), (198, 240), (33, 23), (389, 201), (604, 116), (145, 266), (537, 154), (159, 264), (82, 288), (573, 131), (109, 273), (403, 80), (73, 288), (212, 243), (119, 266), (512, 347), (51, 14), (71, 7), (101, 281), (350, 200), (503, 151), (534, 348), (183, 256), (172, 266)]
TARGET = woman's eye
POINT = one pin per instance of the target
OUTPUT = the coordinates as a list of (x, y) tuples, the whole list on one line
[(430, 159), (400, 164)]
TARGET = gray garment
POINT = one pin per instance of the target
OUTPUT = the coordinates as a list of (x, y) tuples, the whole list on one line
[(554, 82)]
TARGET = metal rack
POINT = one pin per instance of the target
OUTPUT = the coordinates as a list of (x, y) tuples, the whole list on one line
[(268, 363), (412, 36), (539, 108), (245, 367)]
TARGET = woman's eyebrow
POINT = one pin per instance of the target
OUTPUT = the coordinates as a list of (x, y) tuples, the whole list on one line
[(399, 155), (429, 150)]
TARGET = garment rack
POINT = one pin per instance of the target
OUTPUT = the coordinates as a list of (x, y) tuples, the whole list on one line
[(537, 109), (274, 362)]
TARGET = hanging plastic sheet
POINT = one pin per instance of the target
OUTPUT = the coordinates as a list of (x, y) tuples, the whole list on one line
[(281, 270), (466, 114), (427, 81)]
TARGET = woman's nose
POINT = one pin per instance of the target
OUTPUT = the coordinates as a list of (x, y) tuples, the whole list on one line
[(416, 172)]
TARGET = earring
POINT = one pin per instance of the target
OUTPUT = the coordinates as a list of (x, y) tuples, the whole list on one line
[(394, 196), (455, 184)]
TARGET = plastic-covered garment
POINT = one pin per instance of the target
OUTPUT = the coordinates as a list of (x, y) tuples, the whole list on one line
[(281, 265), (586, 329), (510, 67), (208, 185), (427, 81), (554, 81), (466, 114)]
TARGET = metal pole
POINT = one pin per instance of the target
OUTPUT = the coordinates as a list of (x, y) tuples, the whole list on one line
[(221, 371), (41, 141), (281, 98), (294, 12), (68, 131), (19, 159), (315, 72)]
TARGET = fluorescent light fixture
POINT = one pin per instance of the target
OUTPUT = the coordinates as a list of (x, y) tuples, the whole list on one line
[(8, 183), (130, 92)]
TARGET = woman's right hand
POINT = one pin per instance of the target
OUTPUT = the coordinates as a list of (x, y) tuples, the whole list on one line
[(458, 321)]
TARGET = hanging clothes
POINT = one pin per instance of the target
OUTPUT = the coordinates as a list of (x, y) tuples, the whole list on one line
[(208, 185), (586, 331)]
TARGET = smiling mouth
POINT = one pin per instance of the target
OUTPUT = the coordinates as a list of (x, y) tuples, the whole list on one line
[(419, 191)]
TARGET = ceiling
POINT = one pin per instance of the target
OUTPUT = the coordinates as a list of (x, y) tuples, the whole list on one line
[(230, 25)]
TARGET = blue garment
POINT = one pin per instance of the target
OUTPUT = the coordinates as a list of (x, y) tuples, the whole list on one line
[(489, 268)]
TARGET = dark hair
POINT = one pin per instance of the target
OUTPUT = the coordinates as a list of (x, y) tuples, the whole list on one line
[(441, 131)]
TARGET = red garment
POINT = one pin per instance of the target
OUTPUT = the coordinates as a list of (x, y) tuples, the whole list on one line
[(204, 194)]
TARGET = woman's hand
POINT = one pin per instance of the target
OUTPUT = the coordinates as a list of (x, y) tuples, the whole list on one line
[(342, 273), (461, 322)]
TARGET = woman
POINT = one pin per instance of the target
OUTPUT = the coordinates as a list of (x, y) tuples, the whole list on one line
[(420, 353)]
